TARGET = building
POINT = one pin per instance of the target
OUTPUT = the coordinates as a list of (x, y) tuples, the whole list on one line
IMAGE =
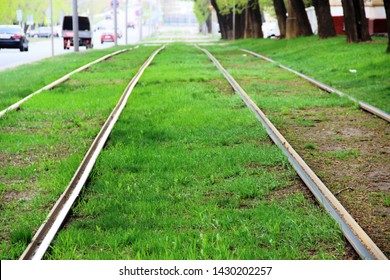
[(375, 13)]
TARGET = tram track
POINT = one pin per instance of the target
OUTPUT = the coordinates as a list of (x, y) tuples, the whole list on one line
[(43, 238), (357, 237), (363, 105), (60, 80), (46, 233)]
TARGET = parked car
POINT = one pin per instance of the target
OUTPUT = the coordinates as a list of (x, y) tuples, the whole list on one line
[(43, 32), (13, 37), (85, 33)]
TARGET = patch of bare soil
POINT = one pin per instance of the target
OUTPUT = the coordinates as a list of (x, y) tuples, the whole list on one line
[(15, 195), (350, 151)]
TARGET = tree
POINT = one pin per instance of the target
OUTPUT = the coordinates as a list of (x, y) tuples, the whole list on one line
[(202, 13), (8, 11), (324, 19), (37, 8), (302, 18), (281, 15), (253, 20), (356, 24), (223, 21), (387, 8), (248, 18), (297, 21)]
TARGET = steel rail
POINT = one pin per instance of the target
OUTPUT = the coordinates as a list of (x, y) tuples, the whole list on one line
[(47, 231), (59, 81), (361, 242), (365, 106)]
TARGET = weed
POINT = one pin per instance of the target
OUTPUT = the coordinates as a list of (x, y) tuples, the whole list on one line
[(345, 154), (386, 200), (310, 146), (22, 234)]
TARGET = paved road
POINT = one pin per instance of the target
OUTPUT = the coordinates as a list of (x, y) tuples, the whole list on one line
[(42, 49), (37, 50)]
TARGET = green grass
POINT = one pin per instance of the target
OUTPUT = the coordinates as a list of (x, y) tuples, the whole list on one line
[(386, 200), (42, 144), (330, 62), (26, 79), (275, 90), (189, 173), (344, 154)]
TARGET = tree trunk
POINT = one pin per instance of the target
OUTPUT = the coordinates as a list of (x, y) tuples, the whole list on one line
[(387, 8), (303, 20), (239, 24), (324, 19), (355, 21), (297, 21), (222, 21), (281, 14), (253, 20), (363, 22), (209, 25), (292, 26)]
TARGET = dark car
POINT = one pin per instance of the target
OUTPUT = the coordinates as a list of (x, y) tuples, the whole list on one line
[(85, 33), (13, 37), (131, 24)]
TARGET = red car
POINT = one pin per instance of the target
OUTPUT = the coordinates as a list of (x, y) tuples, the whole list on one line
[(108, 36)]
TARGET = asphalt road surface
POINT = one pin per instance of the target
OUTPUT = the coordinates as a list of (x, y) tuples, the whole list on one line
[(41, 49)]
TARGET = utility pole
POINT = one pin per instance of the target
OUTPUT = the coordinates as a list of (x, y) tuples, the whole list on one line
[(140, 24), (52, 29), (75, 22), (126, 18), (116, 3), (234, 20)]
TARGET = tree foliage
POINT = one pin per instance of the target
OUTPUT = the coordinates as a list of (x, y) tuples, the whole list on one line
[(37, 8), (226, 6), (202, 10)]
